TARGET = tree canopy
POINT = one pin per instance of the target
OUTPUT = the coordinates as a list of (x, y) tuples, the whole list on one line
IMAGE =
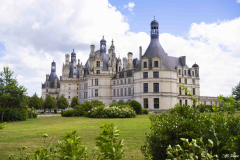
[(50, 102), (74, 102), (34, 102), (62, 102), (11, 94), (236, 92)]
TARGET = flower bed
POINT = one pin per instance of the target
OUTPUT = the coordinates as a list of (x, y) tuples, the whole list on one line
[(111, 112)]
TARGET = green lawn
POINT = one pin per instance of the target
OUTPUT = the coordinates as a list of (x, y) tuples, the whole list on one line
[(28, 133)]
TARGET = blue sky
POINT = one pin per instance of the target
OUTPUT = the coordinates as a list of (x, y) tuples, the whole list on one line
[(34, 33), (176, 16)]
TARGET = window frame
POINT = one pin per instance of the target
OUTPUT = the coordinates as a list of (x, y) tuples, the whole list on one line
[(145, 74), (155, 74), (156, 87), (156, 103), (145, 87)]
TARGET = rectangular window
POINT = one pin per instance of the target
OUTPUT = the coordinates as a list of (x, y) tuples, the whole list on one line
[(179, 72), (114, 82), (125, 81), (98, 63), (156, 87), (47, 90), (96, 92), (211, 102), (117, 82), (133, 90), (68, 97), (145, 64), (180, 101), (156, 63), (180, 91), (125, 91), (129, 81), (155, 74), (180, 80), (192, 73), (185, 81), (117, 92), (129, 91), (193, 81), (186, 102), (114, 92), (145, 101), (156, 102), (145, 74), (98, 71), (193, 91), (77, 88), (205, 102), (92, 82), (121, 91), (145, 87), (96, 82), (185, 93), (185, 72), (121, 81), (92, 92)]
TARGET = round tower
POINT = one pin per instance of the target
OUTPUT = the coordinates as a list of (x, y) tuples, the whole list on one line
[(154, 29)]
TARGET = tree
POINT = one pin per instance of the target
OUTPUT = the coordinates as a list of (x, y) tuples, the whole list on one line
[(236, 92), (34, 102), (74, 102), (62, 102), (50, 102), (10, 91), (136, 106), (41, 101)]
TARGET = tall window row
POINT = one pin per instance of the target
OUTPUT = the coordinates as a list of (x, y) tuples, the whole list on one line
[(123, 92), (123, 81), (155, 103), (155, 87)]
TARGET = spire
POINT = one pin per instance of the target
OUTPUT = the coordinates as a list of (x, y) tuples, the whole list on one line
[(154, 17), (103, 37), (112, 41)]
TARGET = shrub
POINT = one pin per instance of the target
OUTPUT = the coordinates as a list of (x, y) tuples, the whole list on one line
[(144, 111), (55, 110), (15, 114), (79, 111), (185, 122), (2, 125), (136, 106), (68, 113), (32, 113), (111, 112), (202, 108)]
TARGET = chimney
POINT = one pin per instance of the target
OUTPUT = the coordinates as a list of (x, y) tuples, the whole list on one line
[(140, 53)]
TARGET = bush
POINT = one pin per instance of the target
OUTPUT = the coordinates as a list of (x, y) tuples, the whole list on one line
[(15, 114), (144, 111), (68, 113), (202, 108), (111, 112), (136, 106), (32, 113), (55, 110), (79, 111), (185, 122), (2, 125)]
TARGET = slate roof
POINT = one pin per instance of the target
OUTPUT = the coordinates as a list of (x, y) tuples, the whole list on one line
[(175, 61), (121, 74)]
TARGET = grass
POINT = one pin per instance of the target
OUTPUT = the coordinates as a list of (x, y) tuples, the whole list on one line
[(29, 133)]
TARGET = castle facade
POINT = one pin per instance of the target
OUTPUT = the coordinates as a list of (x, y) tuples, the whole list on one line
[(153, 80)]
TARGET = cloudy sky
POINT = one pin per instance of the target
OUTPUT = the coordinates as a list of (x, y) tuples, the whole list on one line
[(34, 33)]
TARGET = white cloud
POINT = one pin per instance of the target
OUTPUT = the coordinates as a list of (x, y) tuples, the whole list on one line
[(238, 1), (35, 33), (131, 6)]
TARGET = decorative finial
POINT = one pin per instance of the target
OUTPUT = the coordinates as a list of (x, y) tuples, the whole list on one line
[(53, 60), (73, 48), (103, 36), (112, 41), (154, 17)]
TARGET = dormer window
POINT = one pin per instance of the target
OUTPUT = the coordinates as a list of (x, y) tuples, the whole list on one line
[(98, 71), (155, 63), (145, 64), (192, 73), (98, 63), (185, 72), (179, 72)]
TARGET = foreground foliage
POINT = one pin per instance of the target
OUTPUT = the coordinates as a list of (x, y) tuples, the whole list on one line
[(185, 122), (108, 146)]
